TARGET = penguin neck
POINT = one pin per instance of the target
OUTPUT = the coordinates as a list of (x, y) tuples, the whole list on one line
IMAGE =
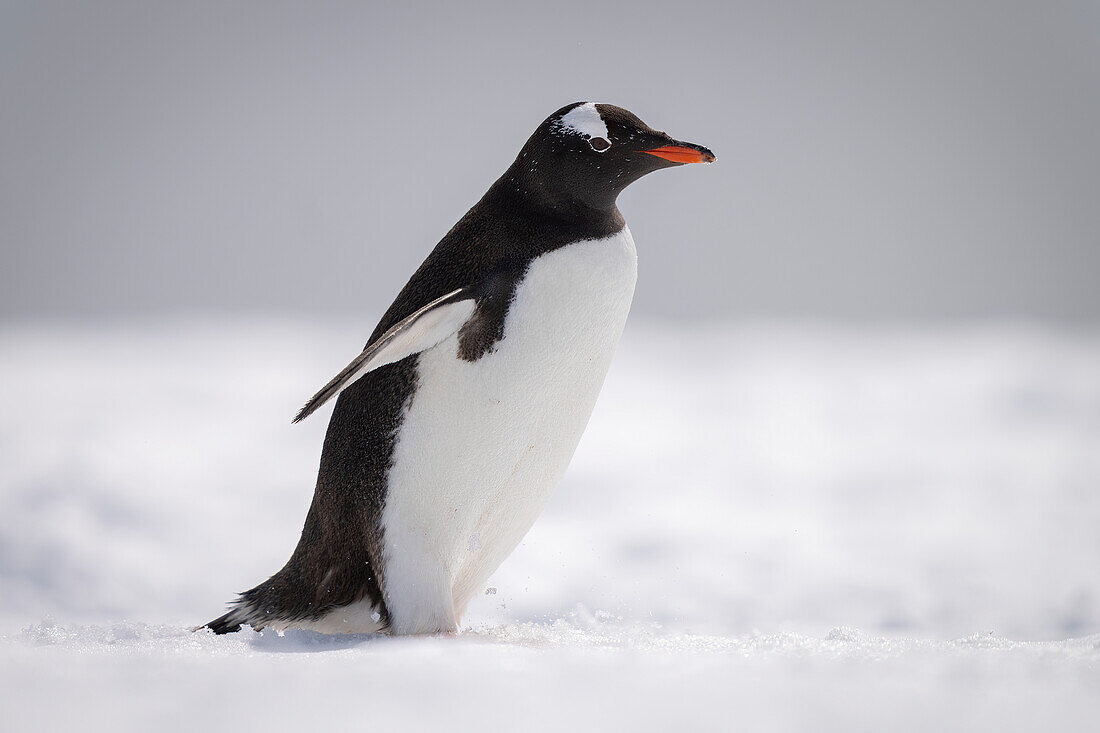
[(538, 194)]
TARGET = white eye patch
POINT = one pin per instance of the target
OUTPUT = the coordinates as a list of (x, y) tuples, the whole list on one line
[(584, 119)]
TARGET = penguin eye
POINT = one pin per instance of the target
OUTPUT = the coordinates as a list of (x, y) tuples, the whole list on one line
[(599, 144)]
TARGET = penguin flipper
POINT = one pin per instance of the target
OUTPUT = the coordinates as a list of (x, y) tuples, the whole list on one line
[(422, 330)]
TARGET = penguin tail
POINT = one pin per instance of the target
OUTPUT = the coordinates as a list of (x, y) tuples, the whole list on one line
[(242, 613), (291, 600)]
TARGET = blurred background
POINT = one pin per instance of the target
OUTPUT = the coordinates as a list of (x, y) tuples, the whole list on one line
[(934, 159), (860, 387)]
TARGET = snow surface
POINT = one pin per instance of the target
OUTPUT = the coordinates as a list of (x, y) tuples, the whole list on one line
[(767, 526)]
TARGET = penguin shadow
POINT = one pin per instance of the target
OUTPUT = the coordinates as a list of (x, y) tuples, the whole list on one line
[(300, 641)]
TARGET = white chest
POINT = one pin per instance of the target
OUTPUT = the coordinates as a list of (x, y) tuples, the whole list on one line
[(483, 443)]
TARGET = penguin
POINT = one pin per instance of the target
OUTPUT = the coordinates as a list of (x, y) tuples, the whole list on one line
[(463, 411)]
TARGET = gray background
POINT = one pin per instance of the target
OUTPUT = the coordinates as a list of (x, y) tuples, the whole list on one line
[(875, 160)]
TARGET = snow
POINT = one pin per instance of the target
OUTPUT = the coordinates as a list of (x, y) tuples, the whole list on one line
[(772, 525), (545, 677)]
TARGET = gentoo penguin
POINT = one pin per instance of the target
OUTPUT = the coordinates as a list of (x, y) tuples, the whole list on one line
[(464, 409)]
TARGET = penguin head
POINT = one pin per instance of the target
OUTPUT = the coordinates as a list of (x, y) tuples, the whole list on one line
[(587, 153)]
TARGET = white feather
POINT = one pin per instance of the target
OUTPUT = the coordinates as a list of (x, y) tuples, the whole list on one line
[(360, 617), (585, 120), (483, 443), (422, 330), (429, 329)]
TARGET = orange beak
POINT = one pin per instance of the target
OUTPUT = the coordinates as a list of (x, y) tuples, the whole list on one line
[(683, 154)]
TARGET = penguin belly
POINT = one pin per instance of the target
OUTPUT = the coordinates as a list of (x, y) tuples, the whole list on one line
[(483, 443)]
